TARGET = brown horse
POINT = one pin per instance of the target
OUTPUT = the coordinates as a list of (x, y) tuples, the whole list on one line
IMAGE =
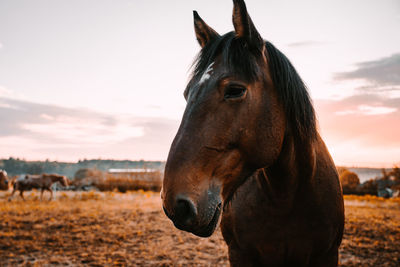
[(3, 180), (248, 148), (42, 182)]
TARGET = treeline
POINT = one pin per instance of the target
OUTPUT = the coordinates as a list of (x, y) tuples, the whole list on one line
[(15, 166), (385, 185)]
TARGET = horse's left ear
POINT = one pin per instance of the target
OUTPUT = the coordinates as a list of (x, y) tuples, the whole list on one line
[(204, 33), (244, 26)]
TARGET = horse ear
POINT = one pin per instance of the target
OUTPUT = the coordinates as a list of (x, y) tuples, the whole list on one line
[(204, 33), (244, 26)]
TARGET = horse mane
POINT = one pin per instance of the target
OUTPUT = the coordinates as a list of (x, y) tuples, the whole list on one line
[(51, 175), (293, 93), (241, 61)]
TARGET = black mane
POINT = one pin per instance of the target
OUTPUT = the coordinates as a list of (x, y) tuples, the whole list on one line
[(293, 93), (241, 61)]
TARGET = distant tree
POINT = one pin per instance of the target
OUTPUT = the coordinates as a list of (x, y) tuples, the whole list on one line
[(395, 173), (349, 181), (14, 166), (388, 179), (86, 172), (370, 187), (385, 175), (35, 168), (341, 170)]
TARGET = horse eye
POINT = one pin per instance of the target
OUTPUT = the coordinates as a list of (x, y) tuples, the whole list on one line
[(234, 91)]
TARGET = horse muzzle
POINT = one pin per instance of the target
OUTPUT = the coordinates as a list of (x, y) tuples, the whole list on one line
[(201, 219)]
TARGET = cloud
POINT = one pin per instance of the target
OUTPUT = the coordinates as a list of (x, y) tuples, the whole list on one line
[(370, 119), (362, 130), (381, 72), (41, 131), (367, 110), (4, 91), (7, 93), (305, 44), (1, 45)]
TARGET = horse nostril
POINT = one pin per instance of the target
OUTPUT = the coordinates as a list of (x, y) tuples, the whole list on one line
[(185, 213)]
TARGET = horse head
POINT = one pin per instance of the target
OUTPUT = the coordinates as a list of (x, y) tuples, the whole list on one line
[(4, 183), (64, 181), (233, 124)]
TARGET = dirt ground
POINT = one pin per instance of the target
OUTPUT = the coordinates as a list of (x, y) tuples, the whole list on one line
[(103, 229)]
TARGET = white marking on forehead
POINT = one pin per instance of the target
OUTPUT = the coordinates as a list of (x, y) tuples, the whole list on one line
[(207, 74)]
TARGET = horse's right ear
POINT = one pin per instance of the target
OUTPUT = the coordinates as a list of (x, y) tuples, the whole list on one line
[(244, 26), (204, 33)]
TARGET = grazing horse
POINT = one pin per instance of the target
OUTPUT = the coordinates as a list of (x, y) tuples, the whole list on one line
[(3, 180), (42, 182), (248, 148)]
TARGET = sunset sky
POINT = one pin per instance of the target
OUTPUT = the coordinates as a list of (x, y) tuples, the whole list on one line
[(105, 79)]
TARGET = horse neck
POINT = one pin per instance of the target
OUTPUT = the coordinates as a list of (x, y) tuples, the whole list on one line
[(293, 170), (55, 178)]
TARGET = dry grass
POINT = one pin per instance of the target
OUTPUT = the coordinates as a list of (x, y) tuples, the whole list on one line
[(372, 232), (92, 228), (372, 199), (103, 229)]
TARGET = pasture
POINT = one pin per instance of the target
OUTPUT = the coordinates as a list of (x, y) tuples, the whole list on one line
[(103, 229)]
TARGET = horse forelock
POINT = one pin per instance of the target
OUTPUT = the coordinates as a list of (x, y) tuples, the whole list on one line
[(234, 55), (241, 61)]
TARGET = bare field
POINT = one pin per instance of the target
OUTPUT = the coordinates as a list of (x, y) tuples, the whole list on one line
[(103, 229)]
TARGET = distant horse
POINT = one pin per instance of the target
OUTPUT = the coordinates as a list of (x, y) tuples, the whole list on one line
[(42, 182), (248, 147), (3, 180)]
